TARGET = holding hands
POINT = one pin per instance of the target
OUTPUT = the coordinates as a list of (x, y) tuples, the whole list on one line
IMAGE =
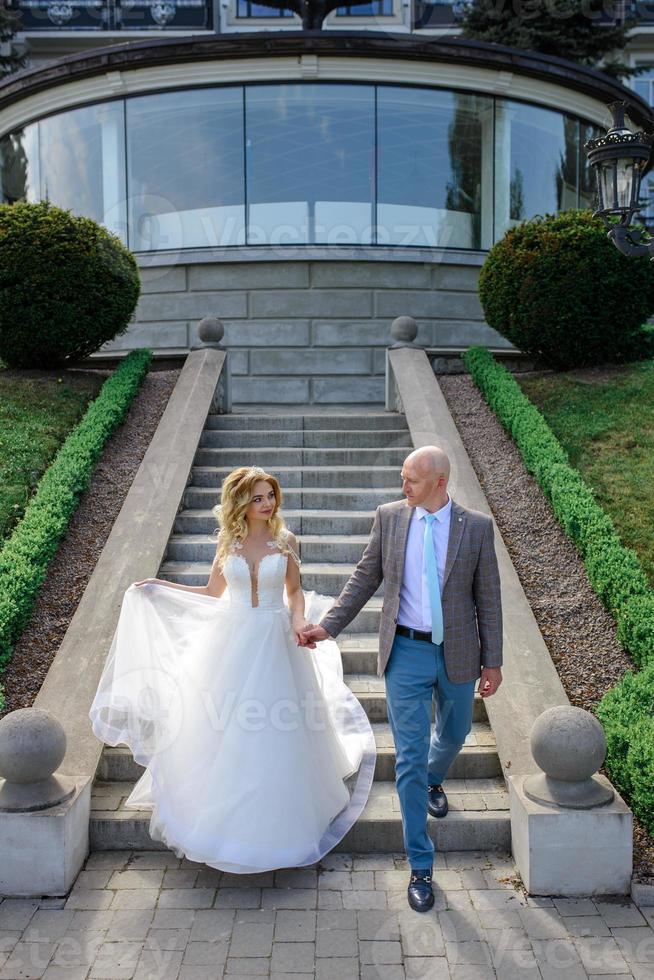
[(310, 634)]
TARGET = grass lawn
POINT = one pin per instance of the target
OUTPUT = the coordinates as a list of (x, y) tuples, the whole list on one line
[(604, 418), (37, 411)]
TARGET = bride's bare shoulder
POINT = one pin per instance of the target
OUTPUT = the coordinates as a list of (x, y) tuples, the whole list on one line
[(293, 546)]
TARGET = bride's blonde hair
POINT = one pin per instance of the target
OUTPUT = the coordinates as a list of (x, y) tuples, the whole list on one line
[(235, 498)]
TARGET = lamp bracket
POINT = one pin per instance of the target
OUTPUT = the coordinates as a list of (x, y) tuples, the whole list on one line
[(631, 242)]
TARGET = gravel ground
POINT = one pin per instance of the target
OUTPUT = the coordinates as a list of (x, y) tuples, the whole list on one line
[(78, 552), (578, 631)]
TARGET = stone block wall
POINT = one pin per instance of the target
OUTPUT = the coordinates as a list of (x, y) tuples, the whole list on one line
[(313, 330)]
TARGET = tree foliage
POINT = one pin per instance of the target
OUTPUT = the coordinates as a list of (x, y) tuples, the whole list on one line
[(584, 31), (9, 24)]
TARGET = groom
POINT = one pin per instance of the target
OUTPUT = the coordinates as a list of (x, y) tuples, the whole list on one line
[(441, 628)]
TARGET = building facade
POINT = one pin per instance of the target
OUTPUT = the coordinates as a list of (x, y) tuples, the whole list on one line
[(304, 187)]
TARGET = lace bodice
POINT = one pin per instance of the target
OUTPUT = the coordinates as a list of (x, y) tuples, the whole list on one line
[(271, 573)]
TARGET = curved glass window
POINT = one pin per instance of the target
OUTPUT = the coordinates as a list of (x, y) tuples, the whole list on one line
[(303, 163)]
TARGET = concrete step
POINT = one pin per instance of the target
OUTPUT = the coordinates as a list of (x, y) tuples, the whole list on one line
[(327, 579), (320, 477), (373, 698), (312, 547), (478, 819), (370, 689), (368, 619), (337, 498), (202, 521), (343, 421), (307, 438), (477, 759), (283, 457), (359, 652)]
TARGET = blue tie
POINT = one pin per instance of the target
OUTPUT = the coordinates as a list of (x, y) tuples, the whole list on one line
[(433, 581)]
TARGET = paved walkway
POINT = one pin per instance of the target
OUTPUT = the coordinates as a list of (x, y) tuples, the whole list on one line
[(147, 914)]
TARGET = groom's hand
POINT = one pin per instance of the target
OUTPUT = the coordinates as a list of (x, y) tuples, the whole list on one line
[(490, 680), (311, 635)]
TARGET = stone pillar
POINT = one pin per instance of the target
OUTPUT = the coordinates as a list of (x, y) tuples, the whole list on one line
[(571, 832), (44, 823)]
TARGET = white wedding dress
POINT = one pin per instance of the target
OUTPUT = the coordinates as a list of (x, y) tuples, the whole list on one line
[(257, 754)]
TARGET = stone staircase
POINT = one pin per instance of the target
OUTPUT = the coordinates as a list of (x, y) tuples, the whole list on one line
[(335, 468)]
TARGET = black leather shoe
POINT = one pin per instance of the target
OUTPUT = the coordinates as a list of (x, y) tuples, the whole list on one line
[(421, 896), (437, 801)]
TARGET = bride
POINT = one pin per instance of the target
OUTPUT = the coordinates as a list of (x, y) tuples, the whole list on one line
[(257, 754)]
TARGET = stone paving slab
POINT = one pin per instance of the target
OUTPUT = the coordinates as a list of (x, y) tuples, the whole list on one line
[(149, 915)]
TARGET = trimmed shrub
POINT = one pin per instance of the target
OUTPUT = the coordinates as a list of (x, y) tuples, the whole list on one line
[(26, 554), (627, 716), (558, 289), (636, 626), (67, 285)]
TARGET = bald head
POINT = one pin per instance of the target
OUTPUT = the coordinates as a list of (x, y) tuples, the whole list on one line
[(425, 473), (430, 460)]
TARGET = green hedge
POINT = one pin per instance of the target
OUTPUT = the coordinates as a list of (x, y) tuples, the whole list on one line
[(25, 556), (627, 716), (614, 572)]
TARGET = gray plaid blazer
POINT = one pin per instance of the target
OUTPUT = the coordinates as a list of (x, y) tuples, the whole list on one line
[(472, 607)]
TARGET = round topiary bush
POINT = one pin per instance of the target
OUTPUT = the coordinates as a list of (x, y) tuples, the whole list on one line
[(559, 289), (67, 285)]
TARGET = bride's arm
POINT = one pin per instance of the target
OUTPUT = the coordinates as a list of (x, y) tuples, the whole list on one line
[(215, 586), (294, 592)]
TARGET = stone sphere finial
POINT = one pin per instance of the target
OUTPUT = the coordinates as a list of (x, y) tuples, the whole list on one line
[(32, 747), (568, 744), (211, 331), (404, 329)]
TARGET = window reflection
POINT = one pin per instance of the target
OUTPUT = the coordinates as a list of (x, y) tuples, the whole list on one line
[(82, 167), (19, 166), (245, 8), (536, 163), (185, 169), (643, 83), (374, 8), (431, 147), (310, 163)]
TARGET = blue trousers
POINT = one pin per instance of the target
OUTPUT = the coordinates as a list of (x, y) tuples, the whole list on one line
[(415, 675)]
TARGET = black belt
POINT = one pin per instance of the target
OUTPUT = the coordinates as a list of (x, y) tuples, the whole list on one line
[(414, 634)]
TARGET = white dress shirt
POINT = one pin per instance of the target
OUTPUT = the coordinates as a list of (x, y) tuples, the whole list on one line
[(415, 609)]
